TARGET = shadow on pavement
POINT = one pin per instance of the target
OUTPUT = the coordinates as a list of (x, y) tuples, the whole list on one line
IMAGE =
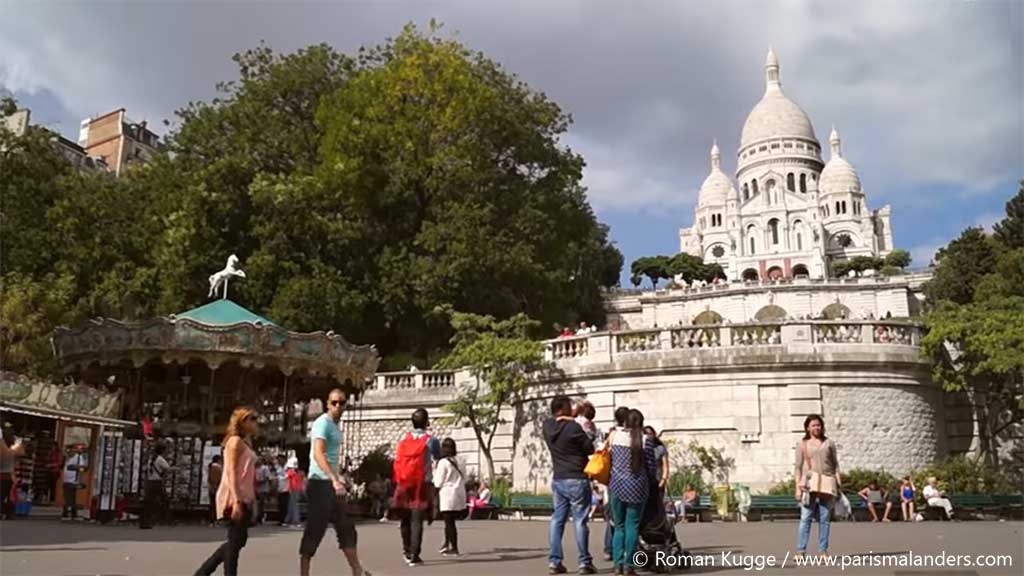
[(45, 532)]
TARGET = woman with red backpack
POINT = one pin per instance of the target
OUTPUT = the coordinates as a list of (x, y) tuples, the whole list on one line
[(414, 489)]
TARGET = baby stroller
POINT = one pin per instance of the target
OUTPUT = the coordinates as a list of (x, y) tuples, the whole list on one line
[(658, 534)]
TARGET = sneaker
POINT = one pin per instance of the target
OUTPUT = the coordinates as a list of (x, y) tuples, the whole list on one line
[(450, 552), (383, 520), (556, 569), (414, 561), (608, 556), (587, 569), (443, 550)]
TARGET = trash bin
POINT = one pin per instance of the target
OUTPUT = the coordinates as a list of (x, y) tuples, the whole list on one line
[(723, 497)]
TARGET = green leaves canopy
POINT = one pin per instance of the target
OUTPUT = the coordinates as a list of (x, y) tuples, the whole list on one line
[(360, 192)]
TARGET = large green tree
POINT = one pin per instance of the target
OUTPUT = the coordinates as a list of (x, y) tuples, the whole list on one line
[(975, 333), (360, 192), (1010, 231)]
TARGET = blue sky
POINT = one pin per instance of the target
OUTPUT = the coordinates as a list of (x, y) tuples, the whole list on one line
[(926, 95)]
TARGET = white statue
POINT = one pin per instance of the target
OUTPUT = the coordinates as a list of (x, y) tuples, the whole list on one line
[(222, 277)]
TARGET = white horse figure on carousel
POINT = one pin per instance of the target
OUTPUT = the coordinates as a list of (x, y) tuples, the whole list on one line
[(222, 277)]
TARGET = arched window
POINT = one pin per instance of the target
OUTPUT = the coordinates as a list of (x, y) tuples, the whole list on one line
[(838, 207), (800, 271), (753, 185), (746, 192), (803, 183), (773, 226), (799, 244), (750, 275), (752, 251), (790, 182)]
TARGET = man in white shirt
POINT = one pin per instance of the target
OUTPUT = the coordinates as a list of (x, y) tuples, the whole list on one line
[(74, 477), (935, 498), (155, 503)]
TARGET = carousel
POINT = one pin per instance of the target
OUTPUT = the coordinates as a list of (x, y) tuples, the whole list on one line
[(181, 376)]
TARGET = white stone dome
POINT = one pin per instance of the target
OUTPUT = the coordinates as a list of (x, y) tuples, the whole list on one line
[(775, 115), (838, 174), (717, 187)]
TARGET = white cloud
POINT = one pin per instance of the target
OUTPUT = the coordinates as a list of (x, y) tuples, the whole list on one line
[(924, 93)]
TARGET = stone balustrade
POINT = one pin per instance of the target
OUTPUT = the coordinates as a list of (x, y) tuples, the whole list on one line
[(601, 346), (412, 380), (824, 333)]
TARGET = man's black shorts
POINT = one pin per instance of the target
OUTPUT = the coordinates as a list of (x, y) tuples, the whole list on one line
[(323, 508)]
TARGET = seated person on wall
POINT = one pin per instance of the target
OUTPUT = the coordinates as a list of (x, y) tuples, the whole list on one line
[(874, 497), (934, 497)]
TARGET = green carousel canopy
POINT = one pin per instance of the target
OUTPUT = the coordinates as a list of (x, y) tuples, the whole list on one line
[(215, 333)]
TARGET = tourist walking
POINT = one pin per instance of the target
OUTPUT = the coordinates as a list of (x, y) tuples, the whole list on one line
[(413, 501), (570, 448), (907, 491), (11, 448), (817, 483), (325, 492), (155, 504), (235, 495), (633, 481), (265, 483), (283, 496), (214, 472), (296, 486), (451, 485), (934, 497)]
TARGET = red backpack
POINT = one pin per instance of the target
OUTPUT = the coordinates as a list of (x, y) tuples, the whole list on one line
[(410, 461)]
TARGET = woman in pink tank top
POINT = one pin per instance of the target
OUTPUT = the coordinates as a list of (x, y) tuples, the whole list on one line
[(236, 493)]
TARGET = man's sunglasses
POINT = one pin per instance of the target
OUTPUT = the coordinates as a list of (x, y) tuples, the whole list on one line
[(337, 402)]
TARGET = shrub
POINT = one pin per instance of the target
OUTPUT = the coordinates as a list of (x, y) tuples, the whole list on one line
[(786, 488), (963, 475), (858, 478), (683, 477), (376, 462), (501, 489)]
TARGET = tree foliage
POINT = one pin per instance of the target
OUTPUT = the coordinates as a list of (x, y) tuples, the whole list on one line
[(360, 192), (686, 266), (975, 334), (1010, 231), (500, 356)]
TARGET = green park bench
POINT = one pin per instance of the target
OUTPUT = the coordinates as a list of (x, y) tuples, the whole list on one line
[(702, 511), (768, 507), (1010, 504), (489, 512), (528, 505), (962, 505)]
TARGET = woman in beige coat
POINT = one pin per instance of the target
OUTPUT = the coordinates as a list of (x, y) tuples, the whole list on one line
[(817, 483)]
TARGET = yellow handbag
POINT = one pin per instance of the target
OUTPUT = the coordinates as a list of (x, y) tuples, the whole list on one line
[(599, 467)]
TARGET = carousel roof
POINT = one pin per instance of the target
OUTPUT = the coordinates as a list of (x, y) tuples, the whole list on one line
[(223, 313), (216, 333)]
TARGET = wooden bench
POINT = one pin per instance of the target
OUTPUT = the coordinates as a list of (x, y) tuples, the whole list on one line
[(528, 505), (962, 504), (702, 511), (769, 507), (1010, 504), (489, 512)]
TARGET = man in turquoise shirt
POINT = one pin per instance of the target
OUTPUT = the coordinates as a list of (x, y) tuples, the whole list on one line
[(325, 490)]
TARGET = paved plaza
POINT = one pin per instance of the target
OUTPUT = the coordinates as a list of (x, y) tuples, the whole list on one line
[(48, 547)]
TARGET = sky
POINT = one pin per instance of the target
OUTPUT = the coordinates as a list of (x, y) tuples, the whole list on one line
[(927, 96)]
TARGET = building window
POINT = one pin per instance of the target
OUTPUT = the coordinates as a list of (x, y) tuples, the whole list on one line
[(799, 242), (753, 185), (803, 183), (746, 192), (791, 182), (775, 146), (773, 225), (752, 246), (762, 148), (788, 144), (718, 251)]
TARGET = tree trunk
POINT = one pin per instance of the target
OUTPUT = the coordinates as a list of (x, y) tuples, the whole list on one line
[(490, 465)]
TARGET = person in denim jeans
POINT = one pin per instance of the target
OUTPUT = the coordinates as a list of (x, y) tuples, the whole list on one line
[(570, 488), (817, 484)]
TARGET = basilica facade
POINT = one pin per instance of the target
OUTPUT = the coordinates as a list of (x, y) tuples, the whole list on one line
[(787, 213)]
